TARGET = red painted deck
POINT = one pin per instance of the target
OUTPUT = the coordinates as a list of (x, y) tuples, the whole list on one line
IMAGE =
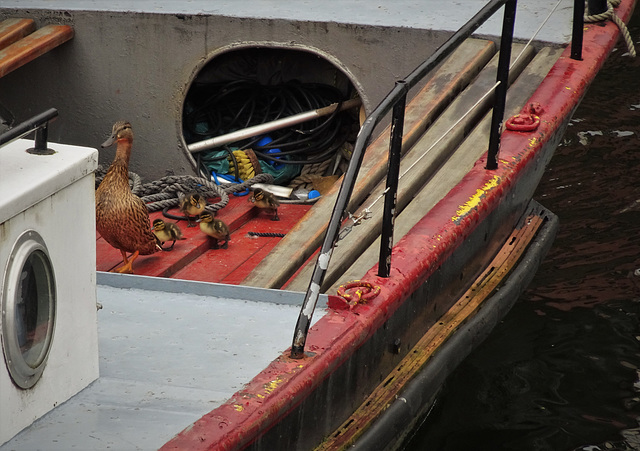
[(195, 259)]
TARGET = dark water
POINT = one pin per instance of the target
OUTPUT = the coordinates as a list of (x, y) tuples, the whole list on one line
[(561, 372)]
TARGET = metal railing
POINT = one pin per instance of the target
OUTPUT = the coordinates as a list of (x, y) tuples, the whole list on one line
[(39, 123), (396, 101)]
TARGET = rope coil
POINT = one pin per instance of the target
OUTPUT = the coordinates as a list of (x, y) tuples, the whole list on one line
[(164, 193), (352, 293)]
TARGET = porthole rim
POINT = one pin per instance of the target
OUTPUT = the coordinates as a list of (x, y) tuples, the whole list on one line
[(22, 373)]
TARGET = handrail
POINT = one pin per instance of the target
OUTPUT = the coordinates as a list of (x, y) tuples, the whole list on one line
[(39, 123), (397, 94)]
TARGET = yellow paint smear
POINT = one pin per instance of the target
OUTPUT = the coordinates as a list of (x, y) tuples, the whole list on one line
[(474, 201), (271, 386)]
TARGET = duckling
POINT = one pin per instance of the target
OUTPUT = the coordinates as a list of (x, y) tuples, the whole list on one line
[(166, 231), (192, 205), (266, 200), (122, 218), (215, 228)]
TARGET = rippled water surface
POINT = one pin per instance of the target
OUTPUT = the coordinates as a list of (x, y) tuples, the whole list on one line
[(561, 371)]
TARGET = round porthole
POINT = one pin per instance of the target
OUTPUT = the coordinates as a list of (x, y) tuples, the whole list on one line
[(28, 309)]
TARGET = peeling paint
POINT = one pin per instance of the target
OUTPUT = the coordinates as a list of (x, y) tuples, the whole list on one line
[(299, 340), (314, 290), (271, 386), (474, 200), (323, 260)]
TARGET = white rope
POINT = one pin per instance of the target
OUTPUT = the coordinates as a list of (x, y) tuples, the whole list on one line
[(610, 14)]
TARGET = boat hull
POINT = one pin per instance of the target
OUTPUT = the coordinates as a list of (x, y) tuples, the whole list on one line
[(351, 351), (295, 404)]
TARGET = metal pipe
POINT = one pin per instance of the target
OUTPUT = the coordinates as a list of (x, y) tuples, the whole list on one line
[(346, 188), (260, 129), (502, 78), (26, 127), (391, 192), (577, 30)]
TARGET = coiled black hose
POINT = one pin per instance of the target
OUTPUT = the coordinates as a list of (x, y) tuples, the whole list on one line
[(218, 108)]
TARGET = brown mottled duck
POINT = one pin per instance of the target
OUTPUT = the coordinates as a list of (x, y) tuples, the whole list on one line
[(166, 231), (265, 200), (215, 228), (122, 218)]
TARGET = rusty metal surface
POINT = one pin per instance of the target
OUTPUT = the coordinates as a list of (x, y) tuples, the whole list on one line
[(12, 30), (32, 46), (415, 360)]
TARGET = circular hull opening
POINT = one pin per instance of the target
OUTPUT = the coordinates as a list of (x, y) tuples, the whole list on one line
[(288, 113)]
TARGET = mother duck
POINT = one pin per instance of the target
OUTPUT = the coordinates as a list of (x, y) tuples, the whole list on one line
[(122, 218)]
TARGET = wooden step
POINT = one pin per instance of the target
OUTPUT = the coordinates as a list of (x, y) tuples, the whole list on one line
[(12, 30), (232, 265), (425, 158), (464, 309), (31, 46), (301, 242)]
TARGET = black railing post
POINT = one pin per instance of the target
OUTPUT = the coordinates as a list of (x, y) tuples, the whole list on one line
[(503, 83), (40, 141), (597, 6), (577, 30), (346, 188), (391, 192)]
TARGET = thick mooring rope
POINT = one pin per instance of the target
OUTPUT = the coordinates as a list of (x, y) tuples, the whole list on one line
[(165, 192), (610, 14), (309, 173)]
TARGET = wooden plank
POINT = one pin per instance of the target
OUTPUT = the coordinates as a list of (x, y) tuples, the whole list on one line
[(457, 166), (302, 241), (425, 159), (32, 46), (231, 265), (436, 336), (12, 30)]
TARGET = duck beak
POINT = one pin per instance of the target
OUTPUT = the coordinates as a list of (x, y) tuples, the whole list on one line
[(109, 141)]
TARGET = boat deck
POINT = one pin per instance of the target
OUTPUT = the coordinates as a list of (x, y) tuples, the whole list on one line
[(167, 348), (440, 146)]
